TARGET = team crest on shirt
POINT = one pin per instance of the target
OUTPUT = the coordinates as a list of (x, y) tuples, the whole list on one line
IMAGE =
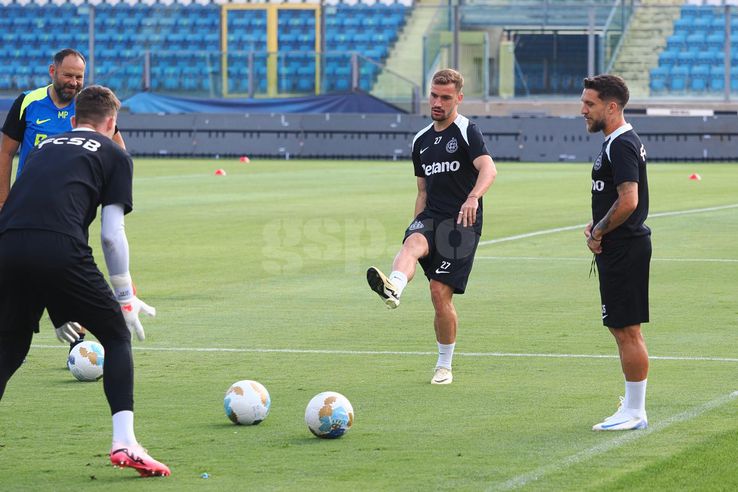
[(416, 225), (598, 162), (452, 146)]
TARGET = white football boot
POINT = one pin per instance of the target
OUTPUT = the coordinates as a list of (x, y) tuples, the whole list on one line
[(383, 286), (623, 419), (442, 376)]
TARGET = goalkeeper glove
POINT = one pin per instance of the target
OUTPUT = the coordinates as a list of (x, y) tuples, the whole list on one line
[(130, 305), (68, 332)]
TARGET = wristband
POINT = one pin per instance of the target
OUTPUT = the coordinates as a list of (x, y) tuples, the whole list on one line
[(122, 286)]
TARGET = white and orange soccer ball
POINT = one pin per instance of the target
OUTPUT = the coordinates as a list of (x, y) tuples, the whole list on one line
[(247, 402), (86, 361), (329, 415)]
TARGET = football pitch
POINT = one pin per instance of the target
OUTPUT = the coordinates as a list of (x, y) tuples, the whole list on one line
[(260, 274)]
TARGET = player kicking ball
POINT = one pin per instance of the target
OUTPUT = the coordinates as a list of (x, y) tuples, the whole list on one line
[(46, 262), (453, 170)]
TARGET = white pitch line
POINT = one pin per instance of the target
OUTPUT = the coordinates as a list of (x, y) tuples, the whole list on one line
[(588, 259), (396, 352), (693, 211), (579, 226), (620, 440), (531, 234)]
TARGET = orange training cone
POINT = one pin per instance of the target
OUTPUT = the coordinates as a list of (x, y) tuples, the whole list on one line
[(695, 177), (220, 172)]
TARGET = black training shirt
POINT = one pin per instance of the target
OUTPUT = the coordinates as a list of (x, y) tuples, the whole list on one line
[(63, 182), (446, 160), (622, 158)]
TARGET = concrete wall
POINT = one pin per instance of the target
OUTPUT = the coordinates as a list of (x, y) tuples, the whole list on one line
[(524, 138)]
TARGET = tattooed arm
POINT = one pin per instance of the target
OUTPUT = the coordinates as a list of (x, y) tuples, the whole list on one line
[(625, 204)]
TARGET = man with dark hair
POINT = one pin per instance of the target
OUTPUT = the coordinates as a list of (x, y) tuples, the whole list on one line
[(40, 113), (453, 170), (620, 240), (47, 263)]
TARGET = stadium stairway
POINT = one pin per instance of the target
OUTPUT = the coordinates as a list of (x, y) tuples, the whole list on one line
[(406, 58), (646, 36)]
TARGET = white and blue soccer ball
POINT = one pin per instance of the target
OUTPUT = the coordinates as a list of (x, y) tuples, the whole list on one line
[(329, 415), (86, 361), (247, 402)]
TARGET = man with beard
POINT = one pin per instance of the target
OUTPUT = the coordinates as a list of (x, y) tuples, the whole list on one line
[(620, 240), (41, 113), (453, 170), (46, 261)]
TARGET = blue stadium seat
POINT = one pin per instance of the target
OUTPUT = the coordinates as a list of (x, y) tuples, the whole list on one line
[(658, 84), (676, 40), (702, 70), (306, 84), (684, 25), (123, 31), (717, 23), (660, 71), (691, 11), (678, 73), (701, 24), (697, 39), (717, 84), (6, 82), (715, 40), (686, 57), (668, 58), (342, 84)]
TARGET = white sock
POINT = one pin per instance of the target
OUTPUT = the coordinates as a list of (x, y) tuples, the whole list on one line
[(635, 395), (445, 355), (399, 280), (123, 428)]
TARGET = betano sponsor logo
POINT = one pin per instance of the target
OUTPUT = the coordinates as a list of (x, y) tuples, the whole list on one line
[(441, 167)]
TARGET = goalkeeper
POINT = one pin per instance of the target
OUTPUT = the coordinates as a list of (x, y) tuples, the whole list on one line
[(46, 261)]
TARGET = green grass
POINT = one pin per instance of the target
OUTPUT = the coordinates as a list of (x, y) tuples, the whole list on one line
[(272, 257)]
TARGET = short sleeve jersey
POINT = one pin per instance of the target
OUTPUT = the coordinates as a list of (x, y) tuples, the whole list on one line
[(33, 117), (65, 179), (622, 159), (446, 160)]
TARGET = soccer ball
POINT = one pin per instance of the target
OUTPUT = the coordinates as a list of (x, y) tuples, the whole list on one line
[(247, 402), (86, 360), (329, 415)]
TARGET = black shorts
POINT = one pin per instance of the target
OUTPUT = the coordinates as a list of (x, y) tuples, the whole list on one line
[(46, 270), (452, 248), (623, 269)]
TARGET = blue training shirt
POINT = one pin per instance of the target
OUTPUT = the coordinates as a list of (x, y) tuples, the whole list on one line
[(33, 117)]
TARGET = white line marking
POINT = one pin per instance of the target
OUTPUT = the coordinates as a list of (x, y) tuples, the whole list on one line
[(395, 352), (620, 440), (581, 226), (693, 211), (531, 234), (588, 259)]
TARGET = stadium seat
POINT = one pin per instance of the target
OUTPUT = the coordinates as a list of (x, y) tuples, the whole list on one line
[(677, 81), (696, 40), (126, 28), (677, 40), (699, 76), (701, 24), (686, 57), (717, 84), (658, 84)]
